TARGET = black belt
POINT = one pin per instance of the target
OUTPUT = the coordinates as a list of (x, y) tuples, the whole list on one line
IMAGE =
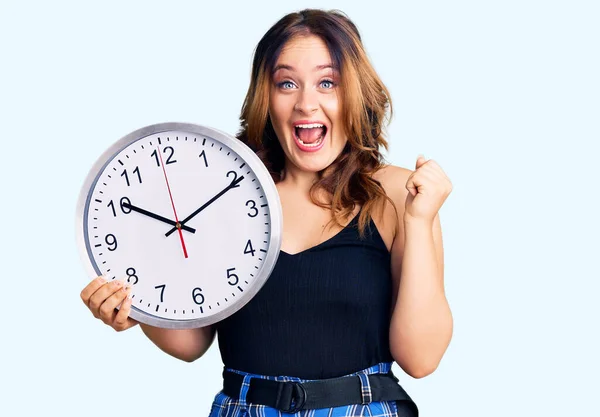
[(291, 397)]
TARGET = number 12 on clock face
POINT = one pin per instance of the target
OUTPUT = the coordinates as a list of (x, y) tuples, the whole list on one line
[(187, 215)]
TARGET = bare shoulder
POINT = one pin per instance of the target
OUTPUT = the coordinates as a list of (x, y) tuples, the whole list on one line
[(393, 180)]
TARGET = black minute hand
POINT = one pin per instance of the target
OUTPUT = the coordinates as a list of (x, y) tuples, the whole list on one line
[(156, 216), (235, 183)]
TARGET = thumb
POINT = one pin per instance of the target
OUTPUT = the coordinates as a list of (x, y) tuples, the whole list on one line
[(420, 160)]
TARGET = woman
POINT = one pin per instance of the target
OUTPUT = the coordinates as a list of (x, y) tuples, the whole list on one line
[(359, 282)]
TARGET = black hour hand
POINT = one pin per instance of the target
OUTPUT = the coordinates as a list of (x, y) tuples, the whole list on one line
[(157, 217)]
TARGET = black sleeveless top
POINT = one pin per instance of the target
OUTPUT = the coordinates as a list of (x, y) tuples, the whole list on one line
[(323, 312)]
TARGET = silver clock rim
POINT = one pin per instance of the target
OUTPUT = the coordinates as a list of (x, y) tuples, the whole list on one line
[(264, 177)]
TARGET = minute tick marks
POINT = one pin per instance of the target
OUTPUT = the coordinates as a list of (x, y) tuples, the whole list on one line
[(163, 298)]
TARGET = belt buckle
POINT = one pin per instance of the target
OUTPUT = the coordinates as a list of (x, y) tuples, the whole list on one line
[(295, 392)]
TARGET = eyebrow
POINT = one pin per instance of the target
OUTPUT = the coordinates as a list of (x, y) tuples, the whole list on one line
[(289, 67)]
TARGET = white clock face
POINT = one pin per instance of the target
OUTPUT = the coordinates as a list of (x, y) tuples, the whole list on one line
[(186, 219)]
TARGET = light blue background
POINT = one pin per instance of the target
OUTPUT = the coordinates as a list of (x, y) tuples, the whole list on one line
[(505, 95)]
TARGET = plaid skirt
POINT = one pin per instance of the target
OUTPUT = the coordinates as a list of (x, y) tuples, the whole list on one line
[(225, 406)]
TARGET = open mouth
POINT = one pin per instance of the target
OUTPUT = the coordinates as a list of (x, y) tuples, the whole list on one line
[(310, 135)]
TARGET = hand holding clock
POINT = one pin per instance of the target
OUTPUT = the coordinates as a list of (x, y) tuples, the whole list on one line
[(102, 298)]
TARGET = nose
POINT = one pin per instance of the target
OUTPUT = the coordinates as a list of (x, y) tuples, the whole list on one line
[(307, 102)]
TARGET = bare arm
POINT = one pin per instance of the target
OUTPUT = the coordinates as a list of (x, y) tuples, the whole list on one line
[(421, 325), (103, 297), (184, 344)]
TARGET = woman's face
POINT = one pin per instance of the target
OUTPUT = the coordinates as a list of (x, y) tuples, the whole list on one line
[(304, 104)]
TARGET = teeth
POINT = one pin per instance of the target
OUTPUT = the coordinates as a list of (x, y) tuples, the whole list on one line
[(310, 126), (316, 143)]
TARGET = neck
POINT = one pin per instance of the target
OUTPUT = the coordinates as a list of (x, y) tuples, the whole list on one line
[(297, 179), (299, 182)]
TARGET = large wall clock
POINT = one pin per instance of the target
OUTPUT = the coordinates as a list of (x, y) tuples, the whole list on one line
[(188, 215)]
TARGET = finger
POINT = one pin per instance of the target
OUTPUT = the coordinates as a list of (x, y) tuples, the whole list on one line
[(122, 320), (107, 310), (436, 169), (101, 294), (411, 185), (91, 288), (436, 166), (425, 177), (419, 181)]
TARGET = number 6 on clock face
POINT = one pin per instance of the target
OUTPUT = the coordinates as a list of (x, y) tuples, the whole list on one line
[(186, 214)]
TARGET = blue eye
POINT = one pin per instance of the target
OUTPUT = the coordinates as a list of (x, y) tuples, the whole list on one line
[(327, 82), (284, 83)]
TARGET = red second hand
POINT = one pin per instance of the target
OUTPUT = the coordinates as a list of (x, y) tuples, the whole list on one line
[(172, 203)]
